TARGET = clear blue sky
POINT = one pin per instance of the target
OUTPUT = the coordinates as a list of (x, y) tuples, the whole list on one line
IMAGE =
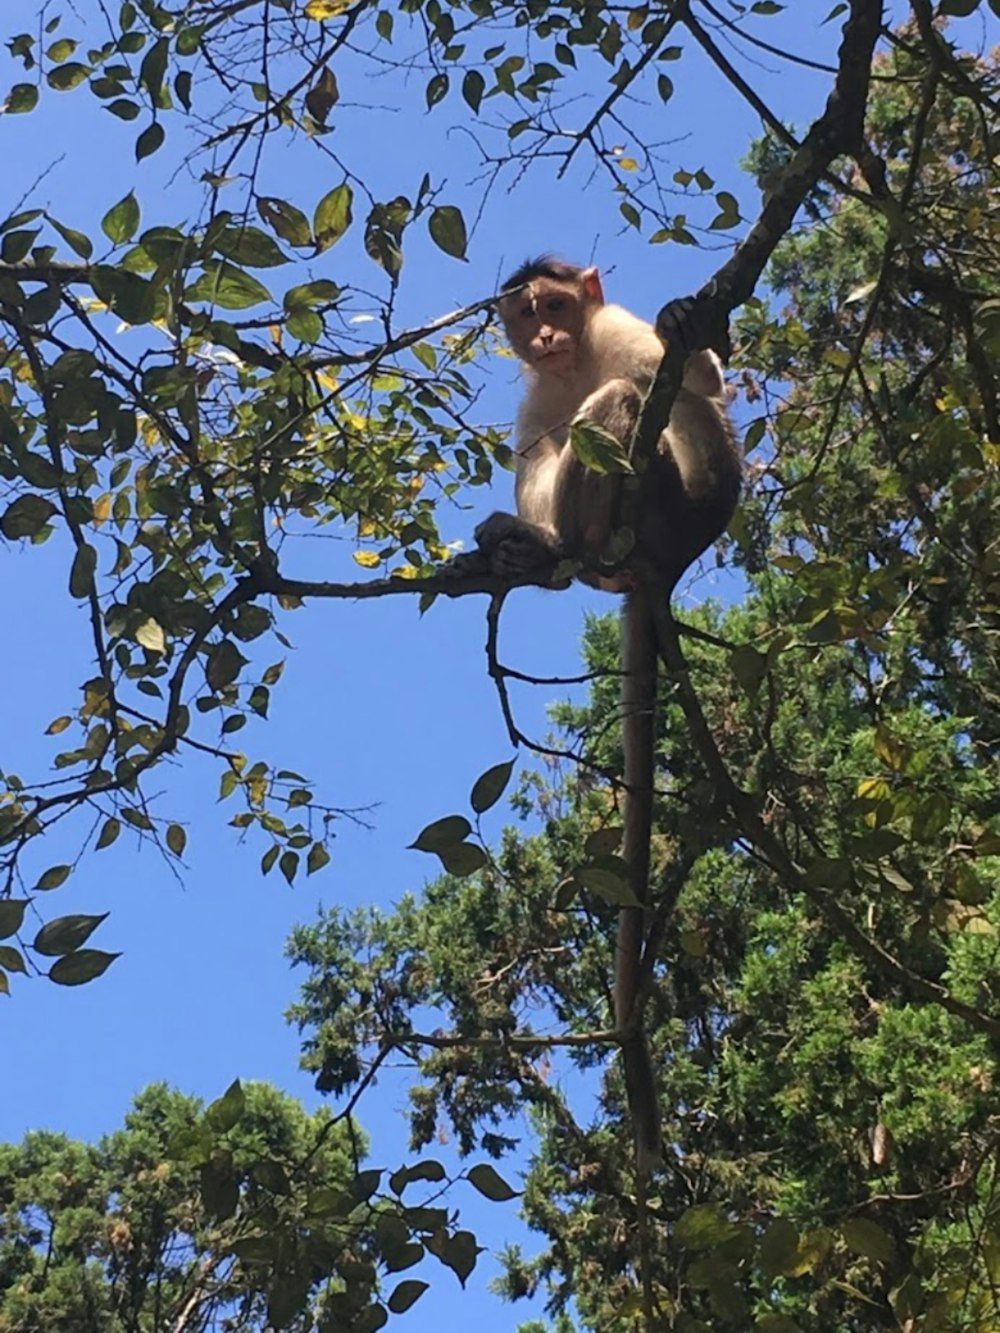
[(376, 705)]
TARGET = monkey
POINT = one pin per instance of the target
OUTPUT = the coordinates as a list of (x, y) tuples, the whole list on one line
[(588, 361)]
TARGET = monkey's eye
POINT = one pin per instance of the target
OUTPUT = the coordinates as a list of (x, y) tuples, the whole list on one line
[(555, 304), (527, 311)]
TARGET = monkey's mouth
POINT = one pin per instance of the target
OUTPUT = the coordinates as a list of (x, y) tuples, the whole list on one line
[(554, 351)]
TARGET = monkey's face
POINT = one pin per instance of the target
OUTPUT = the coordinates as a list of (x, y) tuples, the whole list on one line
[(544, 322)]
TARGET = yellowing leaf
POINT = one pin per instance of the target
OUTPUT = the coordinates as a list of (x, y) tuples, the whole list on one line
[(874, 789), (628, 164), (367, 559), (326, 9), (151, 636), (102, 508)]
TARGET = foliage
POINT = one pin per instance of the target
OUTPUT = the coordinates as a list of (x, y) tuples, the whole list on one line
[(823, 1009), (184, 1217), (821, 946), (247, 1214)]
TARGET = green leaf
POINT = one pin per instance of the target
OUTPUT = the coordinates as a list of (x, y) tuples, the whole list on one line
[(11, 915), (81, 576), (489, 787), (149, 141), (26, 516), (462, 858), (447, 229), (609, 885), (457, 1252), (53, 878), (311, 294), (68, 76), (436, 89), (78, 968), (370, 1320), (78, 243), (868, 1239), (16, 245), (227, 1111), (491, 1184), (121, 222), (225, 662), (730, 214), (22, 97), (429, 1169), (182, 87), (407, 1293), (153, 68), (318, 857), (289, 222), (333, 216), (176, 839), (110, 831), (66, 933), (305, 324), (123, 108), (473, 87), (288, 864), (225, 285), (779, 1248), (704, 1226), (604, 841), (220, 1190), (249, 245), (365, 1183), (132, 297), (188, 40), (11, 959), (442, 833), (749, 667), (596, 448)]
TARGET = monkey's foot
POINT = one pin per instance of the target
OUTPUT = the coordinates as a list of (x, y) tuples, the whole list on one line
[(698, 323), (515, 548), (467, 565)]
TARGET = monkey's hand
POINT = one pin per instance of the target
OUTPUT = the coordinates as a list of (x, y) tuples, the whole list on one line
[(697, 323), (515, 547)]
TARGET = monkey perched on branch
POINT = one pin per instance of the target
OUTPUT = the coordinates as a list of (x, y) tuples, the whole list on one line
[(591, 364)]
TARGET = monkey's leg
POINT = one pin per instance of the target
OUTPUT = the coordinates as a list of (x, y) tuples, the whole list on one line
[(587, 499), (515, 547)]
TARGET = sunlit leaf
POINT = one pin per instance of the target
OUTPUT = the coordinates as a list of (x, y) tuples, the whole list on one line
[(333, 216), (326, 9), (447, 229)]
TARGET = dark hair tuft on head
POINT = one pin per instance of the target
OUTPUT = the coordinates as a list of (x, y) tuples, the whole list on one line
[(545, 266)]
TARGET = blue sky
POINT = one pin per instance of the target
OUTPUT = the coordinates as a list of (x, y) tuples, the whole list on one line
[(378, 706)]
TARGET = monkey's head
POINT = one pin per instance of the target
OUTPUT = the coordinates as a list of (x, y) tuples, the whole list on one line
[(545, 307)]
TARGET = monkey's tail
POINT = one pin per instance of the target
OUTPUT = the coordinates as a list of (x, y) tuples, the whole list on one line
[(639, 665)]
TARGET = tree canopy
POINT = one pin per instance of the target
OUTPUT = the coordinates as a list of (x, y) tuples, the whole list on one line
[(185, 403)]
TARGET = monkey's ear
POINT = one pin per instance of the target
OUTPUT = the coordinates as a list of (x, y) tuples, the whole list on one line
[(591, 279)]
